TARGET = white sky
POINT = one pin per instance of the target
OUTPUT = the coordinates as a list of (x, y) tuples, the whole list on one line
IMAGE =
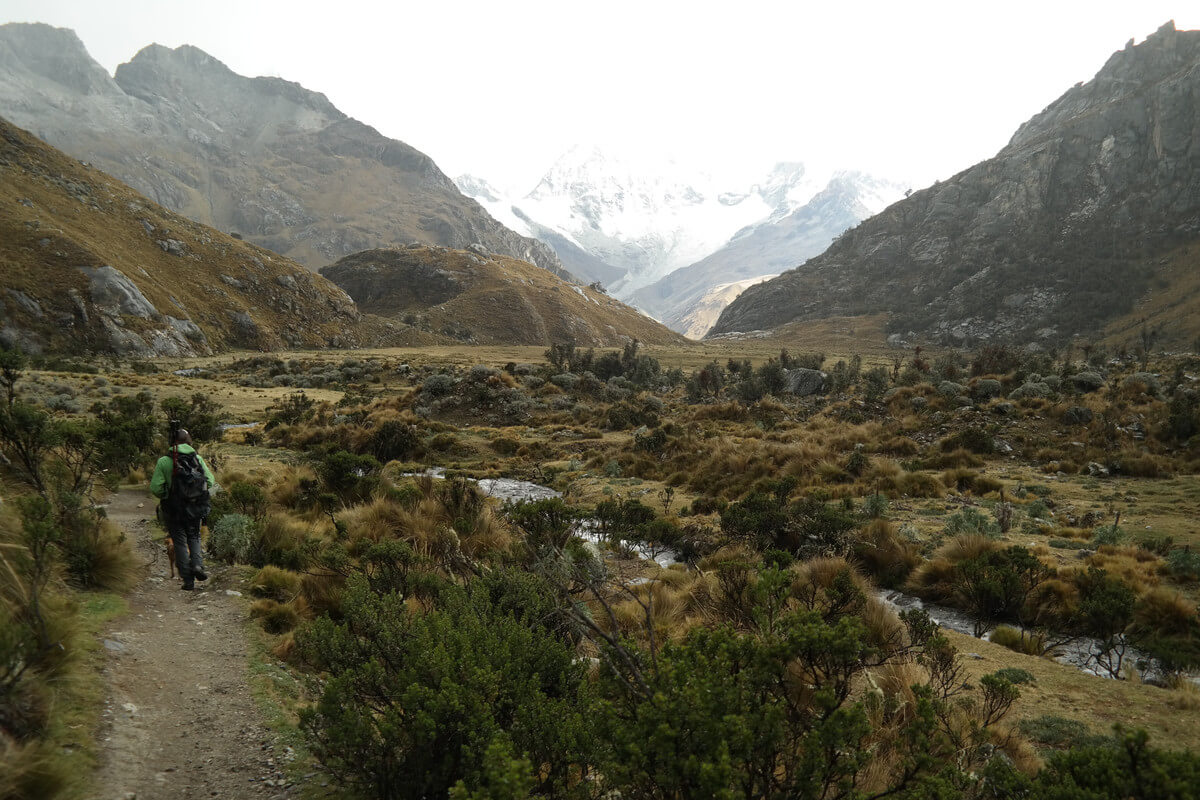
[(912, 90)]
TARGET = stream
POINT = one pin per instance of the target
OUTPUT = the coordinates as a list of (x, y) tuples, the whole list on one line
[(1077, 653)]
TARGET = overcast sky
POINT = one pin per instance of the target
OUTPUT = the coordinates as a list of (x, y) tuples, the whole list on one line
[(911, 90)]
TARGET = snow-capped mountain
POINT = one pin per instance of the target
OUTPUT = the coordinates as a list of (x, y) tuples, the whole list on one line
[(686, 301), (633, 224), (643, 217)]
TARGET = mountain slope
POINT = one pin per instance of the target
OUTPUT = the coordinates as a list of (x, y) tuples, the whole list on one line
[(1058, 234), (264, 157), (488, 299), (687, 300), (87, 265)]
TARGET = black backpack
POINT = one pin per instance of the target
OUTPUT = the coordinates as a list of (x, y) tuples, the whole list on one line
[(188, 499)]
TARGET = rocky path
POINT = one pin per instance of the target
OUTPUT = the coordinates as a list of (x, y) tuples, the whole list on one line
[(180, 721)]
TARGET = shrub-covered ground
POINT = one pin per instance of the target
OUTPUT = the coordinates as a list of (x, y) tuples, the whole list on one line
[(456, 644)]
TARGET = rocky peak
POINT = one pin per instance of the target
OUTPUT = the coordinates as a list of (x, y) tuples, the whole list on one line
[(56, 54), (1060, 233), (1127, 72), (187, 76)]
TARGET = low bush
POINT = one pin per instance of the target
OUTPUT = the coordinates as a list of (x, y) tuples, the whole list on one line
[(232, 539)]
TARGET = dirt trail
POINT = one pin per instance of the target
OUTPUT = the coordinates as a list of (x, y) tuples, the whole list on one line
[(180, 721)]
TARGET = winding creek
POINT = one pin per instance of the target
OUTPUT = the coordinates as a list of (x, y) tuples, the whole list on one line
[(1078, 653)]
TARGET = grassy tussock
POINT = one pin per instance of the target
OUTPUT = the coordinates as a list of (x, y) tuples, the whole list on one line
[(1031, 644), (276, 584), (933, 579), (275, 617), (881, 553), (286, 490)]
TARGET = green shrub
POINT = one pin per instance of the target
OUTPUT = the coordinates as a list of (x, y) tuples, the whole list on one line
[(1057, 732), (393, 440), (969, 521), (1015, 675), (231, 539), (1184, 564), (201, 416), (1109, 535), (875, 506), (456, 679)]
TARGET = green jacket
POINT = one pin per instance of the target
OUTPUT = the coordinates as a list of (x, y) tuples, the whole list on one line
[(160, 484)]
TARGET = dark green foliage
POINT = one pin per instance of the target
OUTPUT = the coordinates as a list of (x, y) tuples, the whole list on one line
[(1184, 563), (719, 716), (347, 475), (995, 586), (1132, 770), (1183, 417), (653, 442), (248, 498), (1060, 733), (995, 359), (292, 409), (1015, 675), (201, 416), (126, 431), (393, 440), (414, 701), (27, 436), (622, 518), (875, 383), (706, 382), (807, 527), (12, 366), (548, 524)]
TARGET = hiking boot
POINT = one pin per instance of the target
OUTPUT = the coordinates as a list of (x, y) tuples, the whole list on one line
[(200, 576), (188, 586)]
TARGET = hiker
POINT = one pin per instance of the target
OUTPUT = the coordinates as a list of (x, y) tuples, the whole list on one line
[(182, 483)]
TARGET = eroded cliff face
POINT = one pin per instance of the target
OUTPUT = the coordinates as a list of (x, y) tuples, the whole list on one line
[(263, 157), (1057, 234)]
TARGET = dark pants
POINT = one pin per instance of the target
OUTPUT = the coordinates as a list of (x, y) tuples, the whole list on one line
[(188, 558)]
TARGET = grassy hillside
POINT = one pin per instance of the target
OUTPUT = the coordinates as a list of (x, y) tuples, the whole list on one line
[(488, 299), (62, 222)]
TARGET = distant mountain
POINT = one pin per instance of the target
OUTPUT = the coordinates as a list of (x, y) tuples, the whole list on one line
[(488, 299), (87, 265), (633, 225), (263, 157), (690, 299), (1081, 218)]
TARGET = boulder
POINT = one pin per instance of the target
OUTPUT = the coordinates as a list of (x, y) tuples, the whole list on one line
[(1029, 390), (114, 294), (1078, 415), (803, 382), (26, 303)]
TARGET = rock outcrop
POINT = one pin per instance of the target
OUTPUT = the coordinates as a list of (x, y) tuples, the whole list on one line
[(263, 157), (1058, 234)]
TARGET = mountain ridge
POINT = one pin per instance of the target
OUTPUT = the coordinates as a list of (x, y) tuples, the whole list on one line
[(264, 157), (1054, 236)]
